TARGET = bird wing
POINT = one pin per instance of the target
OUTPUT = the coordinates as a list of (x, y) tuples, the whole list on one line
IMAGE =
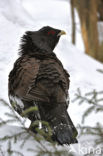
[(23, 76)]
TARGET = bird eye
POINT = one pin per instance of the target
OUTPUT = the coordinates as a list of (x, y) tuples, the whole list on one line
[(51, 32)]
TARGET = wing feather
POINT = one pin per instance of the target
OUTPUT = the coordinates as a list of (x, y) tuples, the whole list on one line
[(23, 76)]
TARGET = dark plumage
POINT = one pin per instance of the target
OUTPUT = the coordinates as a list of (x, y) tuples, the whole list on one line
[(38, 78)]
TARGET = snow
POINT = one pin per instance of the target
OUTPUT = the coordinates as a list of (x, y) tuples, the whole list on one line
[(100, 31), (15, 12), (16, 17), (13, 130)]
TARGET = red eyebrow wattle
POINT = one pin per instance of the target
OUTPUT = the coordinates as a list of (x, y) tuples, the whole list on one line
[(51, 32)]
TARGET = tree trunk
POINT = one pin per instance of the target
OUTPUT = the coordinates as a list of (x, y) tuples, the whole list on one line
[(73, 22), (100, 10), (87, 10)]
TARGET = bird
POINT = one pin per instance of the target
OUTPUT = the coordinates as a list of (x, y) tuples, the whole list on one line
[(38, 78)]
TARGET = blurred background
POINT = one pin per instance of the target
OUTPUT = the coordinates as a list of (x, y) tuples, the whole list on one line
[(81, 52)]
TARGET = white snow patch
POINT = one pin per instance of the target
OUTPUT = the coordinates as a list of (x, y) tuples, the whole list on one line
[(100, 31), (17, 101)]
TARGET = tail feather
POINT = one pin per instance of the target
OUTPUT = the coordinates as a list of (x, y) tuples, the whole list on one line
[(64, 131), (63, 134), (75, 132)]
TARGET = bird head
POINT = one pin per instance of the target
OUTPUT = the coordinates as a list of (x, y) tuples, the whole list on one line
[(50, 36), (46, 38)]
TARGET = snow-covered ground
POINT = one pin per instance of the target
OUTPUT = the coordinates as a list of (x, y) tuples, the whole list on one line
[(18, 16)]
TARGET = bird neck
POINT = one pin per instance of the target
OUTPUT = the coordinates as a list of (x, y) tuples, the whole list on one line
[(27, 47), (30, 49)]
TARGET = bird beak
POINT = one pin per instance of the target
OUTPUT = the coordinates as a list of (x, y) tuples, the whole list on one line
[(62, 32)]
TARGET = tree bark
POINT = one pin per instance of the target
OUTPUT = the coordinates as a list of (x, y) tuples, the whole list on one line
[(100, 10), (87, 10), (73, 22)]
